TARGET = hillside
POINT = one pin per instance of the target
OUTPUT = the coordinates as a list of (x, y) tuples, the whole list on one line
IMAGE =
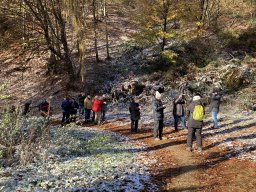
[(199, 46)]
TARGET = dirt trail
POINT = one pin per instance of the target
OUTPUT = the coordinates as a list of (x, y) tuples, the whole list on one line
[(179, 170)]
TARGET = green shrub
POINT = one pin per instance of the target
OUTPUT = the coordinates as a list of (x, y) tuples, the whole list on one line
[(200, 51), (20, 136), (246, 41), (228, 36)]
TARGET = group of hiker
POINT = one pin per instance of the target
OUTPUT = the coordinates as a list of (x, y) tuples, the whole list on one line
[(86, 106), (190, 114), (194, 113)]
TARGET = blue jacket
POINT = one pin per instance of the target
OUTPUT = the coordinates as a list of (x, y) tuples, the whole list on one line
[(66, 106)]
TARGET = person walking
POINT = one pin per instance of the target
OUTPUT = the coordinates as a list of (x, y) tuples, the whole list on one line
[(158, 113), (134, 110), (96, 107), (179, 111), (214, 107), (87, 107), (66, 107), (195, 113)]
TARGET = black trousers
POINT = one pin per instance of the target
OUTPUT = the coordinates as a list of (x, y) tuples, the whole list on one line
[(158, 128), (93, 116), (134, 125), (65, 117), (198, 133), (103, 115)]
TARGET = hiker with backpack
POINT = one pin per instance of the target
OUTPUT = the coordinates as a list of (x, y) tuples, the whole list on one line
[(158, 113), (214, 106), (134, 110), (87, 108), (195, 113), (179, 111)]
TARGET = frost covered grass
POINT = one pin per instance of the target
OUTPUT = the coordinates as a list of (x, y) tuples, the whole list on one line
[(236, 133), (82, 159)]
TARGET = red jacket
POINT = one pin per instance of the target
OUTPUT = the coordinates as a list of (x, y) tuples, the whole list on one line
[(96, 106)]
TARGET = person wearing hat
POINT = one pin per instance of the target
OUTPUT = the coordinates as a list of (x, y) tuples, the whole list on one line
[(158, 113), (87, 107), (195, 113), (134, 110)]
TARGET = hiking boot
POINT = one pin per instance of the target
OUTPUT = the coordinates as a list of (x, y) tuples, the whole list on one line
[(189, 149)]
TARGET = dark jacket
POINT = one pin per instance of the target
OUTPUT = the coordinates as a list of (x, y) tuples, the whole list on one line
[(158, 110), (44, 106), (81, 99), (66, 106), (74, 106), (104, 106), (191, 122), (215, 103), (134, 111), (179, 107), (26, 108)]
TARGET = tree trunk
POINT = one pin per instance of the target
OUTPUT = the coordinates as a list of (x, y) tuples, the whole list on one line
[(106, 29), (50, 19), (68, 61), (95, 31), (165, 15), (164, 38)]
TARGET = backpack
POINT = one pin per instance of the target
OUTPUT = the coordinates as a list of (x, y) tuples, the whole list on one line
[(198, 113)]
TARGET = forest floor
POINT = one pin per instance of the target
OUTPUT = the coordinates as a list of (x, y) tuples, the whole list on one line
[(228, 161), (218, 168)]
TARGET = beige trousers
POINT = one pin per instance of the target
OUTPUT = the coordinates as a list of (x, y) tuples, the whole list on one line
[(97, 117)]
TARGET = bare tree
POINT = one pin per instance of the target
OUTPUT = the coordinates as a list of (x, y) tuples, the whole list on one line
[(48, 16), (95, 23), (106, 27)]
